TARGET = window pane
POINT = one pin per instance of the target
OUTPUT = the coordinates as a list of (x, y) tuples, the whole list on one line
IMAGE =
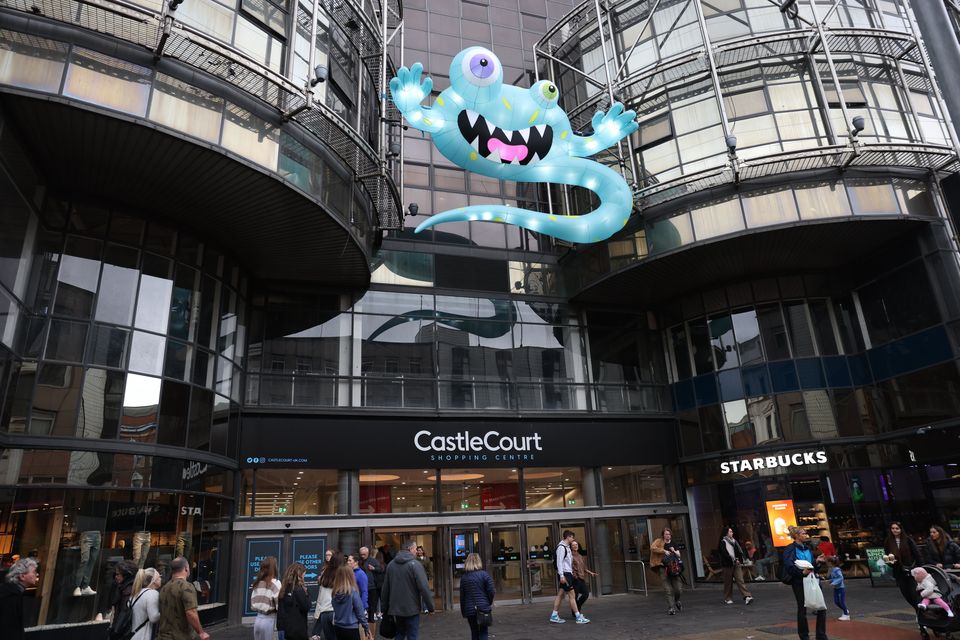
[(38, 65), (201, 413), (108, 346), (146, 353), (634, 485), (102, 403), (700, 339), (873, 198), (800, 334), (739, 428), (55, 400), (79, 271), (94, 77), (174, 407), (558, 488), (681, 354), (186, 108), (763, 416), (120, 279), (397, 490), (153, 303), (723, 343), (747, 331), (717, 219), (763, 209), (141, 402), (66, 340), (774, 332), (670, 233), (823, 201)]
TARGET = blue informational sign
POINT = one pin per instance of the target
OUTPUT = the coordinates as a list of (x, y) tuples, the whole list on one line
[(309, 552), (257, 550)]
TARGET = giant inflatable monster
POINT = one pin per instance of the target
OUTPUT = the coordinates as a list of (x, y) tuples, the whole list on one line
[(511, 133)]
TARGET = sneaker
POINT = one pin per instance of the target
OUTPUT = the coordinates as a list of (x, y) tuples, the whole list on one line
[(949, 613), (748, 600), (87, 591), (581, 619), (679, 606), (672, 612), (728, 601), (555, 617), (759, 579), (845, 617), (77, 593), (922, 606)]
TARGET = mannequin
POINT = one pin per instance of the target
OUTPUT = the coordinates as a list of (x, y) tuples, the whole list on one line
[(89, 551), (141, 547)]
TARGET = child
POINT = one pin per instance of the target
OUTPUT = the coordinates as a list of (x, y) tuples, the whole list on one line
[(928, 589), (839, 587)]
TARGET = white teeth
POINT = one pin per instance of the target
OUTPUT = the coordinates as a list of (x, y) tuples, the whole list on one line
[(542, 128), (491, 127), (515, 161), (472, 117), (494, 157), (525, 134)]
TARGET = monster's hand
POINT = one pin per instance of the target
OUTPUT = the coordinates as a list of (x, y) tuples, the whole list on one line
[(408, 94), (608, 129)]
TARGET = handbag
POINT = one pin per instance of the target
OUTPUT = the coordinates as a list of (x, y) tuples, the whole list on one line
[(484, 618), (387, 627)]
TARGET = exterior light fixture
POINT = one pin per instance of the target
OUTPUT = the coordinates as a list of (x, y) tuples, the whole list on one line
[(320, 74)]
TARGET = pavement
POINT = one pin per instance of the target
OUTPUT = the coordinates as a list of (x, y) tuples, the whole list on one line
[(877, 614)]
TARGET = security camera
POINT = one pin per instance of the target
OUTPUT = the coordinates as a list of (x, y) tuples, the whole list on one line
[(858, 124), (395, 148), (731, 144), (321, 73)]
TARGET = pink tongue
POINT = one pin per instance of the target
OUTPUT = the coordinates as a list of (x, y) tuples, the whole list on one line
[(508, 152)]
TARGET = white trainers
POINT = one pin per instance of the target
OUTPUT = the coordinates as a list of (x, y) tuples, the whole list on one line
[(748, 600), (845, 617), (582, 620), (728, 601), (87, 591), (77, 593), (555, 617), (759, 579)]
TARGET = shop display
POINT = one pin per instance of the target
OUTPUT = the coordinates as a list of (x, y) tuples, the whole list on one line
[(812, 516)]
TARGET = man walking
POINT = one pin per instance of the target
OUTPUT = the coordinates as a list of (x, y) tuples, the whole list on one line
[(564, 557), (404, 588), (21, 576), (374, 570), (178, 605)]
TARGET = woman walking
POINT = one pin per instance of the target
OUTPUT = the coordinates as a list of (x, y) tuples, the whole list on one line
[(581, 580), (294, 604), (263, 599), (731, 560), (941, 550), (665, 560), (348, 611), (324, 611), (146, 603), (476, 594), (906, 556), (800, 549)]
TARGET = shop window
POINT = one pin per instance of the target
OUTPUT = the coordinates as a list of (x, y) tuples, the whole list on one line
[(546, 488), (635, 484), (293, 492), (398, 490)]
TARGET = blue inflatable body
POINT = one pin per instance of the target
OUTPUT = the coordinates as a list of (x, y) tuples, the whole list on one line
[(510, 133)]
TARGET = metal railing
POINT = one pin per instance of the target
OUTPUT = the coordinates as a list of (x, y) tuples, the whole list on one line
[(630, 566)]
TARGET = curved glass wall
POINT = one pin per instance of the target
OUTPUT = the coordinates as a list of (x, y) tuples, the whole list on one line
[(698, 72)]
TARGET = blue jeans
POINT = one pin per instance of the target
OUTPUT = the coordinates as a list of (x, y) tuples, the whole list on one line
[(477, 633), (408, 627), (840, 599), (89, 552)]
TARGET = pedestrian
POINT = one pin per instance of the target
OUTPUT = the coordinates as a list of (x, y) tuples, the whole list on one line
[(826, 548), (294, 604), (581, 575), (666, 561), (323, 628), (264, 597), (929, 591), (564, 559), (178, 605), (839, 587), (800, 549), (906, 555), (124, 573), (20, 577), (349, 614), (941, 550), (145, 603), (361, 577), (731, 561), (476, 594), (427, 568), (374, 570), (404, 587)]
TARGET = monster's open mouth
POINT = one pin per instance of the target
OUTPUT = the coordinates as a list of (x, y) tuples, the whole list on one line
[(521, 147)]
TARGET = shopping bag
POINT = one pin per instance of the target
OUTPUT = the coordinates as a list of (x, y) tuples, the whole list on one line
[(812, 594)]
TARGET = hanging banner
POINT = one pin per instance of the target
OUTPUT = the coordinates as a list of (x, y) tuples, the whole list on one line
[(781, 516)]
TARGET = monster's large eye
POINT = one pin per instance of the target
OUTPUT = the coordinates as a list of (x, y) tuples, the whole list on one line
[(545, 93), (480, 67)]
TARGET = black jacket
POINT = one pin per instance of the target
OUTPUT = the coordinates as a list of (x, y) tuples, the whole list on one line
[(405, 586), (725, 559), (949, 557), (375, 576), (476, 592), (11, 611), (292, 614)]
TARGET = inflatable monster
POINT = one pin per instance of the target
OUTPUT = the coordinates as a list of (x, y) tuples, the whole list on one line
[(511, 133)]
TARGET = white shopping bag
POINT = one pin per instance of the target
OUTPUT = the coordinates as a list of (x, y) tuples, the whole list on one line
[(812, 595)]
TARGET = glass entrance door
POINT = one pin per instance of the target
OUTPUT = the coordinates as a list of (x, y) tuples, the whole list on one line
[(506, 552), (462, 543), (389, 542), (638, 553), (541, 567)]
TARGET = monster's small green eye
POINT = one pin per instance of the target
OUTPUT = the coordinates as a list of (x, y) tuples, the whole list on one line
[(549, 91)]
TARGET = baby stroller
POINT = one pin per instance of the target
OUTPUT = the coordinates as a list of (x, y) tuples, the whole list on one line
[(934, 618)]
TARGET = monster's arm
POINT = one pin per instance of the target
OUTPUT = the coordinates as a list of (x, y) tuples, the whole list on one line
[(408, 92), (608, 129)]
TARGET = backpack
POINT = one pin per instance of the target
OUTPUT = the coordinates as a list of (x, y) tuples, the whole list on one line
[(785, 576), (122, 626), (673, 566)]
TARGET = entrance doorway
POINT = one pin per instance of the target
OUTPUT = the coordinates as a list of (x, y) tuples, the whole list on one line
[(463, 542), (388, 543), (506, 552)]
